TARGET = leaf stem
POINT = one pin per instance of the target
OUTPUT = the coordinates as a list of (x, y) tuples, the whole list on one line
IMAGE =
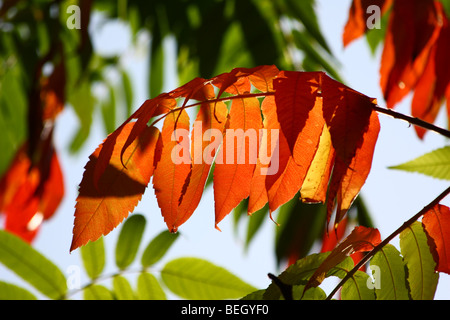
[(404, 226), (412, 120)]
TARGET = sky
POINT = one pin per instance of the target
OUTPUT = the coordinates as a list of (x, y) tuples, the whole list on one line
[(392, 196)]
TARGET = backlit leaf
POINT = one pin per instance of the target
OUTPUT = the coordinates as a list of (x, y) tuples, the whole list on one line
[(193, 278), (101, 208), (129, 240), (435, 164), (32, 266), (122, 288), (93, 256), (148, 288), (156, 249), (97, 292), (437, 226), (422, 278), (356, 288), (388, 270), (9, 291)]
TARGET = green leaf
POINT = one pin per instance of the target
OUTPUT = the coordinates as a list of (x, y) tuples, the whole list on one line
[(83, 103), (446, 4), (122, 288), (312, 294), (148, 288), (435, 164), (256, 295), (255, 221), (158, 247), (356, 288), (389, 274), (156, 75), (108, 109), (300, 272), (128, 92), (300, 226), (97, 292), (32, 266), (129, 240), (422, 278), (93, 257), (10, 291), (193, 278)]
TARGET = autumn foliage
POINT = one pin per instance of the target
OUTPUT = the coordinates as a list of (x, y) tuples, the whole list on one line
[(326, 138), (415, 53)]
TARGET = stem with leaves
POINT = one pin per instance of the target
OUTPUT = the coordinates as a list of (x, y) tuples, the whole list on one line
[(404, 226)]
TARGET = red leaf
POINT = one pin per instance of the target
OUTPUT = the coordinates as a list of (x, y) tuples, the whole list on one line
[(413, 29), (354, 129), (430, 89), (100, 209), (30, 193), (356, 24), (437, 226)]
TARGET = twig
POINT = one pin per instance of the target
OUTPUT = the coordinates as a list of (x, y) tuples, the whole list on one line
[(405, 225), (412, 120)]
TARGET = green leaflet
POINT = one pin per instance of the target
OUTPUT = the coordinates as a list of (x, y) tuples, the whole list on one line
[(97, 292), (389, 275), (93, 256), (31, 266), (193, 278), (10, 291), (148, 288), (422, 278), (435, 164), (158, 247), (122, 288), (129, 240), (356, 288)]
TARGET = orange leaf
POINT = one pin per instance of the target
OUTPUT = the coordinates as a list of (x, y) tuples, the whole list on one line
[(361, 239), (150, 108), (437, 226), (174, 166), (237, 158), (268, 156), (300, 120), (210, 120), (100, 209)]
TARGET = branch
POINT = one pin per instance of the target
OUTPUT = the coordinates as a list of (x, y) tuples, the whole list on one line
[(412, 120), (404, 226)]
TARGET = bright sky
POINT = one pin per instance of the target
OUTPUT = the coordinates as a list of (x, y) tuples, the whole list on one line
[(392, 196)]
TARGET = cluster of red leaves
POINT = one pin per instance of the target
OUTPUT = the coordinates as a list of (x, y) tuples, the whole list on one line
[(33, 187), (327, 134), (415, 53)]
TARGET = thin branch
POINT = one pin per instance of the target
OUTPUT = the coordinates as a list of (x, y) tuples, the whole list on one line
[(412, 120), (404, 226)]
